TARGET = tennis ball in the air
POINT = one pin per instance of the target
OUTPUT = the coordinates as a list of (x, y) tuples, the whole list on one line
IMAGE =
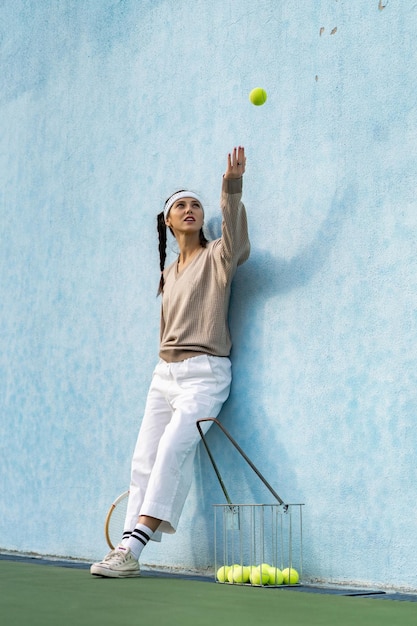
[(275, 576), (238, 574), (260, 575), (222, 573), (290, 575), (258, 96)]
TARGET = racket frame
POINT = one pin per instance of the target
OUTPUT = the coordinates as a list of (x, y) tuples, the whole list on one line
[(110, 512)]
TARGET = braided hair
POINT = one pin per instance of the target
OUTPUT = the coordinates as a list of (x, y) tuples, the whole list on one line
[(162, 237)]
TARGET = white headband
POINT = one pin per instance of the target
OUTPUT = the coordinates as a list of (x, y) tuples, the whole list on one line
[(179, 196)]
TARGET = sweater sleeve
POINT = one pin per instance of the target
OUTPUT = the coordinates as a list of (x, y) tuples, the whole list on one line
[(233, 248)]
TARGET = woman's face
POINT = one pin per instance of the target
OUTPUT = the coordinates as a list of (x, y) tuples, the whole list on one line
[(185, 216)]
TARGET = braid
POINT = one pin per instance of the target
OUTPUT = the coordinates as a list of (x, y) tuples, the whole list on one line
[(162, 233), (203, 240)]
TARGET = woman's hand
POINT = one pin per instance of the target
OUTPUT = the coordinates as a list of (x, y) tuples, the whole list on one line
[(236, 163)]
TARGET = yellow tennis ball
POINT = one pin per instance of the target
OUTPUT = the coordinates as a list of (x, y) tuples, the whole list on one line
[(222, 573), (275, 576), (230, 572), (258, 96), (238, 574), (290, 575), (260, 575)]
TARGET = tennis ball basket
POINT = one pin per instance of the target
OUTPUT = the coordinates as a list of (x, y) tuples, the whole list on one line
[(255, 544)]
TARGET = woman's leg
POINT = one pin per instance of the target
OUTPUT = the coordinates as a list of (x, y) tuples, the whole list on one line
[(122, 563), (162, 466), (157, 416), (198, 388)]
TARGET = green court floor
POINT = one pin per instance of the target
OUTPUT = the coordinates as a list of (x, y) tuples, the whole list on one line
[(40, 595)]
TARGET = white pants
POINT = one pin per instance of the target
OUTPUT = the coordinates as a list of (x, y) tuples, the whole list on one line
[(162, 464)]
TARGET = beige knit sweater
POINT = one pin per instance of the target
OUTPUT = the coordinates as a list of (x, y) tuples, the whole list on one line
[(195, 302)]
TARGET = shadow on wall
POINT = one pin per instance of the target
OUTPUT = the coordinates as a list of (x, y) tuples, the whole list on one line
[(266, 275), (263, 276)]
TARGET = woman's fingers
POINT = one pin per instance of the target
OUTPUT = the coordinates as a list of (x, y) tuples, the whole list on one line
[(236, 162)]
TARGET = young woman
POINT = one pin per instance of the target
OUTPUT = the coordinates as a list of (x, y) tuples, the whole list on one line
[(192, 378)]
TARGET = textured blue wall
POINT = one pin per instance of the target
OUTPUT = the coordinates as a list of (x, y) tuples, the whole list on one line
[(107, 107)]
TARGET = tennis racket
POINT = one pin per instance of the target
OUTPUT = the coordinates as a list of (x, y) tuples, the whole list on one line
[(115, 519)]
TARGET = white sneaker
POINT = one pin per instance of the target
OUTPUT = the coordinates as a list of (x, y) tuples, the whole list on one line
[(119, 563)]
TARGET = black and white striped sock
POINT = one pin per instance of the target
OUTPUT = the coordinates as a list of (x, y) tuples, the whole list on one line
[(126, 536), (138, 539)]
